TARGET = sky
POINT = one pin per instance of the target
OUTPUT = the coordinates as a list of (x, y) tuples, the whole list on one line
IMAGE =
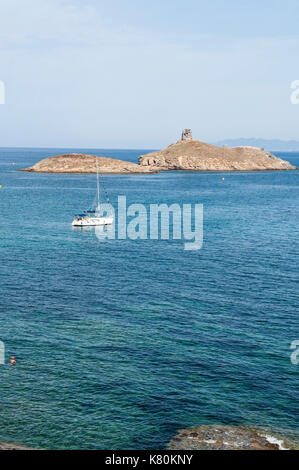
[(132, 74)]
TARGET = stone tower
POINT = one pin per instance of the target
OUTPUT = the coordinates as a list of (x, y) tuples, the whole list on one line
[(187, 135)]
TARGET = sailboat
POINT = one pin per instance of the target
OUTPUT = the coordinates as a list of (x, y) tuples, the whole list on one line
[(92, 218)]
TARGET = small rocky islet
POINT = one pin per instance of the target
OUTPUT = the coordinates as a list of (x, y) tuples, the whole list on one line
[(81, 163), (231, 438), (186, 155), (7, 446)]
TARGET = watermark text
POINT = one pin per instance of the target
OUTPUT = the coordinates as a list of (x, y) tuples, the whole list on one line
[(295, 93), (154, 222), (2, 353), (295, 354), (2, 92)]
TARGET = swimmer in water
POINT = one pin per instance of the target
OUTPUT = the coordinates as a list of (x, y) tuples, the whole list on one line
[(13, 361)]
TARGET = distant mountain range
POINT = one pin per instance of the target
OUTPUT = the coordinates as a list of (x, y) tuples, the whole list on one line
[(267, 144)]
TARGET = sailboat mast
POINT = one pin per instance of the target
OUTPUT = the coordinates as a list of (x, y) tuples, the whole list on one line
[(98, 186)]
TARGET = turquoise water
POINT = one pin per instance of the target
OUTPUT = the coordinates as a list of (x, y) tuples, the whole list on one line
[(120, 344)]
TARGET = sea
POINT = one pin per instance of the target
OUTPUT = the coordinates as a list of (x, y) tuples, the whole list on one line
[(121, 343)]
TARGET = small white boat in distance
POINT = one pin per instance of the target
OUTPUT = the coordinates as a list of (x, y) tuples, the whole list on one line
[(93, 218)]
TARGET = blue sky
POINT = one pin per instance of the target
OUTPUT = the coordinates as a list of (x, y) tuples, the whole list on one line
[(133, 73)]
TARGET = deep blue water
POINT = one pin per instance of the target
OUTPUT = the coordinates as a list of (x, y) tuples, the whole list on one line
[(120, 344)]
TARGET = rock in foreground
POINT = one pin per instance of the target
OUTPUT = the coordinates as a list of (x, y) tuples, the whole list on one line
[(80, 163), (193, 155), (230, 438), (5, 446)]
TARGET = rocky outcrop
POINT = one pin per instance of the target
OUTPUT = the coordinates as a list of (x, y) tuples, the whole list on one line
[(231, 438), (194, 155), (5, 446), (80, 163)]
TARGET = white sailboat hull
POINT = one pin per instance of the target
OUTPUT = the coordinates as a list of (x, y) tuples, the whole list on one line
[(93, 222)]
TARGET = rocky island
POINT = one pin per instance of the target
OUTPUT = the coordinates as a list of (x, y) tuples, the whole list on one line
[(80, 163), (186, 154), (193, 155), (231, 438)]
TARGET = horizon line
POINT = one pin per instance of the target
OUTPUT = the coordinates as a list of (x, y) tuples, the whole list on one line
[(135, 148)]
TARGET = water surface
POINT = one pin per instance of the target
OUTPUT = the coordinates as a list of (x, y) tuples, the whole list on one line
[(120, 344)]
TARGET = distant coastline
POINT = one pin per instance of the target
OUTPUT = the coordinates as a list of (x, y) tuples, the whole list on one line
[(274, 145)]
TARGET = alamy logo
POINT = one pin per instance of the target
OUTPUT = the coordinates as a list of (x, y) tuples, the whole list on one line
[(295, 93), (2, 92), (295, 354), (2, 353), (154, 222)]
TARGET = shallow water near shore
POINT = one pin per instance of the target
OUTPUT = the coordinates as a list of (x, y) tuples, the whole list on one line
[(120, 344)]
